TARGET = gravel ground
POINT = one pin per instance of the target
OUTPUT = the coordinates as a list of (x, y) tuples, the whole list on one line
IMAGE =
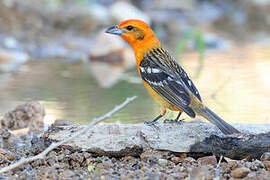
[(66, 163)]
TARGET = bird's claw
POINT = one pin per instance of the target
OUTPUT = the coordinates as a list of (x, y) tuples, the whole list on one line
[(174, 121), (150, 123)]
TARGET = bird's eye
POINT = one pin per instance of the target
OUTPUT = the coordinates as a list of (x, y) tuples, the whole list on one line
[(130, 28)]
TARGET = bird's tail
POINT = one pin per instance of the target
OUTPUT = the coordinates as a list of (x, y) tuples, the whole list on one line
[(213, 118)]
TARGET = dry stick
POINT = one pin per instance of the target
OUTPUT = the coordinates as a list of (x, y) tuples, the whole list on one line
[(56, 144), (220, 159)]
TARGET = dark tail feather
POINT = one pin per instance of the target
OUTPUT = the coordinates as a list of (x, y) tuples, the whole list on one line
[(220, 123)]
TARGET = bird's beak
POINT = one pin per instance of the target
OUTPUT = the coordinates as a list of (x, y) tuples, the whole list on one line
[(114, 30)]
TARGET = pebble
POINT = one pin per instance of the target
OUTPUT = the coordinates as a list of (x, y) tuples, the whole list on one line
[(232, 165), (4, 133), (207, 160), (240, 172), (176, 160), (265, 156), (6, 155), (267, 165), (258, 164), (189, 159), (24, 115), (68, 174), (163, 162)]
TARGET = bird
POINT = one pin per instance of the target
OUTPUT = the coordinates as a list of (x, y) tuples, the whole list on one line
[(166, 81)]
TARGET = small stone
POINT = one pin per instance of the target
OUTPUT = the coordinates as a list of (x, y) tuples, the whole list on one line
[(189, 159), (163, 162), (176, 160), (4, 133), (29, 114), (136, 166), (144, 156), (199, 173), (265, 156), (267, 165), (240, 172), (68, 174), (258, 163), (232, 165), (7, 155), (248, 165), (179, 175), (252, 175), (207, 160)]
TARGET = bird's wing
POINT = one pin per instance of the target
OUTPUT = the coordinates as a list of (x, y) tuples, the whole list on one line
[(177, 69), (168, 79)]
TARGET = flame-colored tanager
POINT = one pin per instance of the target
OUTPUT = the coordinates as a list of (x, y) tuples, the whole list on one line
[(164, 78)]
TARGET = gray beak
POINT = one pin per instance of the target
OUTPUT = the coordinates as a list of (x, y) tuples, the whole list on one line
[(114, 30)]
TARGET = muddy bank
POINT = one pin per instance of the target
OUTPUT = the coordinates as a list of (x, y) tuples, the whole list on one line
[(76, 161)]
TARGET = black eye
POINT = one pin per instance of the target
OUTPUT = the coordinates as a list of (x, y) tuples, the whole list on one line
[(130, 28)]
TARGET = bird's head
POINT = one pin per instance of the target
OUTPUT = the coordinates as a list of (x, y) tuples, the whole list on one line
[(136, 33)]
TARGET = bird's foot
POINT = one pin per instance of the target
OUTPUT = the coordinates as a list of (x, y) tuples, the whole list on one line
[(174, 121), (150, 123)]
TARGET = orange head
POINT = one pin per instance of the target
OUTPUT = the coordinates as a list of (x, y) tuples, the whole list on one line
[(136, 33)]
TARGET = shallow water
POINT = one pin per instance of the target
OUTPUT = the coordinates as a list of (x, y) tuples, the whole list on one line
[(234, 83)]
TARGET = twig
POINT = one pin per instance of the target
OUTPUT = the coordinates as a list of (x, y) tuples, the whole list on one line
[(220, 159), (56, 144)]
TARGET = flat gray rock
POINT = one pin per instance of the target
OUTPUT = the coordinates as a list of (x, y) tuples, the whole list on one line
[(133, 139)]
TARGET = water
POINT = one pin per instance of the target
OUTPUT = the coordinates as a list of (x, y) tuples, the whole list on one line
[(234, 83)]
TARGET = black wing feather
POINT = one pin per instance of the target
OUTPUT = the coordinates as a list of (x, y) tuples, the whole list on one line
[(168, 79)]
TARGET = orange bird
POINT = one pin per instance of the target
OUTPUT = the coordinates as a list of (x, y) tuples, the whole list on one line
[(164, 78)]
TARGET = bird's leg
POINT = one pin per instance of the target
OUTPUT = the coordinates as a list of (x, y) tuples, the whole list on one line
[(176, 120), (163, 112)]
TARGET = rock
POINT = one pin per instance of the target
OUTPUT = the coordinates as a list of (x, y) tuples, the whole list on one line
[(109, 55), (11, 60), (240, 172), (232, 165), (163, 162), (257, 164), (25, 115), (134, 139), (4, 133), (179, 175), (267, 165), (176, 160), (265, 156), (110, 140), (122, 10), (68, 174), (200, 173), (7, 155), (207, 160)]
